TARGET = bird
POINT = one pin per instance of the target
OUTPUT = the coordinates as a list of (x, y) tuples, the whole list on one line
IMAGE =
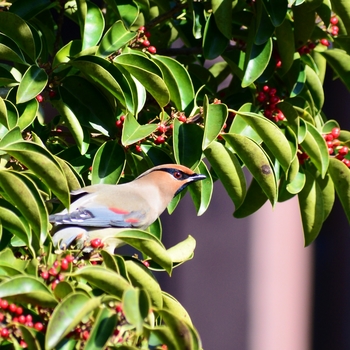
[(101, 210)]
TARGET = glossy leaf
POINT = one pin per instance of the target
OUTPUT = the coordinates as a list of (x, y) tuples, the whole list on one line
[(115, 38), (19, 31), (9, 51), (315, 86), (147, 73), (93, 25), (171, 305), (214, 119), (23, 193), (214, 42), (187, 143), (108, 164), (142, 278), (222, 11), (32, 84), (277, 10), (67, 315), (257, 163), (108, 76), (304, 23), (228, 169), (133, 131), (265, 28), (311, 209), (340, 175), (182, 251), (128, 11), (27, 289), (272, 136), (178, 82), (65, 53), (28, 10), (315, 146), (201, 191), (28, 113), (43, 164), (257, 62)]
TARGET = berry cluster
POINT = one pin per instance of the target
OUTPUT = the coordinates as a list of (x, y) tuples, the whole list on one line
[(268, 99), (333, 29), (335, 148), (142, 40), (12, 315), (53, 275), (307, 48)]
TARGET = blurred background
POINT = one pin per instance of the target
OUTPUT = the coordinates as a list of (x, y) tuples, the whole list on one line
[(252, 285)]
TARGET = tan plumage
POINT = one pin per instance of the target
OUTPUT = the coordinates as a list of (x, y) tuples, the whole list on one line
[(100, 210)]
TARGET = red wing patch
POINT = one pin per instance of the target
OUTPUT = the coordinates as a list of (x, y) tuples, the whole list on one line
[(132, 220), (118, 211)]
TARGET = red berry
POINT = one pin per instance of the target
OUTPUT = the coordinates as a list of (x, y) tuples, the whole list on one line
[(336, 143), (54, 284), (39, 326), (334, 20), (64, 264), (335, 132), (69, 258), (142, 29), (45, 275), (182, 118), (161, 128), (272, 92), (159, 140), (138, 148), (4, 304), (96, 243), (330, 150), (147, 34), (279, 64), (311, 46), (19, 310), (23, 344), (335, 30), (29, 324), (274, 99), (266, 88), (119, 124), (12, 307), (146, 43), (280, 115), (29, 318), (261, 97), (86, 335), (122, 118), (119, 308), (146, 263), (152, 49), (329, 143), (2, 316), (328, 137), (343, 151), (22, 319), (53, 271), (4, 333), (346, 162), (39, 98), (324, 42), (267, 113), (52, 93)]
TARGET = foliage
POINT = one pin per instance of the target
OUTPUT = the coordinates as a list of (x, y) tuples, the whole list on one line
[(118, 108)]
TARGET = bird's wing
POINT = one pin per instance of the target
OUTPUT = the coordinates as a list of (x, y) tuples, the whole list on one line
[(99, 217)]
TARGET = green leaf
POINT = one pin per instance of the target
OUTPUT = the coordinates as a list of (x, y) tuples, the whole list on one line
[(171, 305), (133, 131), (128, 11), (228, 169), (23, 193), (109, 77), (339, 61), (67, 315), (108, 164), (315, 87), (142, 278), (93, 25), (9, 51), (222, 11), (65, 53), (80, 134), (182, 251), (311, 208), (43, 164), (147, 73), (342, 9), (340, 175), (26, 289), (214, 41), (201, 191), (102, 330), (265, 28), (27, 10), (136, 307), (28, 113), (277, 10), (258, 60), (115, 38), (178, 82), (315, 146), (214, 119), (32, 84), (12, 114), (187, 143), (257, 163), (104, 279), (19, 31), (33, 339), (272, 136), (304, 24)]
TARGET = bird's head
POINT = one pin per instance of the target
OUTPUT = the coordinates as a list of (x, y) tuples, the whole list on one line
[(173, 178)]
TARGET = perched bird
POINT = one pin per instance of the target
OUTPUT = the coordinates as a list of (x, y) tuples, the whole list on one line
[(98, 210)]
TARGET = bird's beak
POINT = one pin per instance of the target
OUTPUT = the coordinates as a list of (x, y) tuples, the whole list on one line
[(197, 177)]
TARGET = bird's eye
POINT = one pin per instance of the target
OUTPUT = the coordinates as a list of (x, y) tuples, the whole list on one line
[(177, 175)]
